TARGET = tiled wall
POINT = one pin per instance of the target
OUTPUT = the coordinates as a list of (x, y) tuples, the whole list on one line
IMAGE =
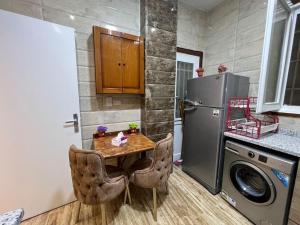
[(115, 111), (234, 37), (232, 33), (159, 26), (191, 27)]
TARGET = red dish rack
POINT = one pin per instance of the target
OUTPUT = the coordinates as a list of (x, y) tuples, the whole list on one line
[(250, 125)]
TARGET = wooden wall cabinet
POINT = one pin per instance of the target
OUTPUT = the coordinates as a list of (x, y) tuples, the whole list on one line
[(119, 62)]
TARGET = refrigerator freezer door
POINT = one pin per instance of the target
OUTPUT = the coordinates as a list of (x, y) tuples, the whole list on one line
[(202, 139), (208, 91)]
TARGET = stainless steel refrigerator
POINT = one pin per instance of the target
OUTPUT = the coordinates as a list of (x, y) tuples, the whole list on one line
[(204, 124)]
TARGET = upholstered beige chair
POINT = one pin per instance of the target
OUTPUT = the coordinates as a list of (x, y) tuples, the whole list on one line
[(93, 182), (154, 173)]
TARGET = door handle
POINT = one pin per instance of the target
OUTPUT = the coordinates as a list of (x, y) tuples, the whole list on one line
[(193, 105), (74, 122), (189, 109)]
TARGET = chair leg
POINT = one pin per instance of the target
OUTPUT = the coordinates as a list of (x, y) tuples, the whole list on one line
[(125, 195), (154, 204), (128, 192), (103, 216), (77, 212)]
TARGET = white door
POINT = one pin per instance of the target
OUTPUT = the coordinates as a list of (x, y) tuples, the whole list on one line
[(38, 94), (186, 66)]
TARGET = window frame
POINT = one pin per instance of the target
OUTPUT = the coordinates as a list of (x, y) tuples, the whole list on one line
[(279, 105), (276, 105), (182, 52), (290, 108)]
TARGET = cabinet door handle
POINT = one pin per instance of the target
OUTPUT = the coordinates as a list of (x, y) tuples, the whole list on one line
[(119, 64), (124, 64)]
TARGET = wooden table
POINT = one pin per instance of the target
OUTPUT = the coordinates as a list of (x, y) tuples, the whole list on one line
[(136, 143)]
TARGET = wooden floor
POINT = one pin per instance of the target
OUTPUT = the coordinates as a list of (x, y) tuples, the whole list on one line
[(187, 203)]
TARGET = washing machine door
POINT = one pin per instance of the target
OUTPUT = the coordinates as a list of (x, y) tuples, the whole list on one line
[(252, 182)]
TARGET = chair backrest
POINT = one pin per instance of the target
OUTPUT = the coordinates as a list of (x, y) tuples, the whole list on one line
[(163, 156), (88, 175)]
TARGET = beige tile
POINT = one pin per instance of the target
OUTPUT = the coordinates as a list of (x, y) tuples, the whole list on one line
[(191, 27), (38, 2), (253, 75), (253, 20), (88, 131), (81, 24), (22, 7), (88, 104), (222, 24), (92, 8), (92, 118), (224, 37), (223, 9), (107, 117), (87, 144), (250, 35), (253, 90), (96, 10), (289, 122), (85, 58), (87, 89), (122, 116), (216, 46), (249, 49), (84, 41), (248, 7), (248, 64), (86, 73), (221, 56), (213, 69)]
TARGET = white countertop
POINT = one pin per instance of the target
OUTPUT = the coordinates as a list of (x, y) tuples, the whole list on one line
[(286, 142)]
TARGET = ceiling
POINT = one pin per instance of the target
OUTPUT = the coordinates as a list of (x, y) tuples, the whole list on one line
[(204, 5)]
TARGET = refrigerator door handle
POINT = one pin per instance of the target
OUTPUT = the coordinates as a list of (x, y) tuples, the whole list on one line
[(190, 109), (192, 104)]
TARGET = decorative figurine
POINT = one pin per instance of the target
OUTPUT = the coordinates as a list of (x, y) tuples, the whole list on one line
[(222, 68), (200, 72)]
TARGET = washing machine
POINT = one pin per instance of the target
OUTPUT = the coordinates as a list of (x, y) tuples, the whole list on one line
[(257, 183)]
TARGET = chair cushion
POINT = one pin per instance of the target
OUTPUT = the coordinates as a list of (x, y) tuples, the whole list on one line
[(12, 217), (149, 174)]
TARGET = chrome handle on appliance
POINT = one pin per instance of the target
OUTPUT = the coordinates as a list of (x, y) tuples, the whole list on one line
[(189, 109), (232, 150), (74, 122), (193, 105)]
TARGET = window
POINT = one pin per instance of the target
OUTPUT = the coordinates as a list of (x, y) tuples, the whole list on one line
[(186, 69), (184, 72), (279, 87), (292, 91)]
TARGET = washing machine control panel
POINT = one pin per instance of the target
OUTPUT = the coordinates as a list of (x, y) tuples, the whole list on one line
[(262, 158), (251, 154)]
